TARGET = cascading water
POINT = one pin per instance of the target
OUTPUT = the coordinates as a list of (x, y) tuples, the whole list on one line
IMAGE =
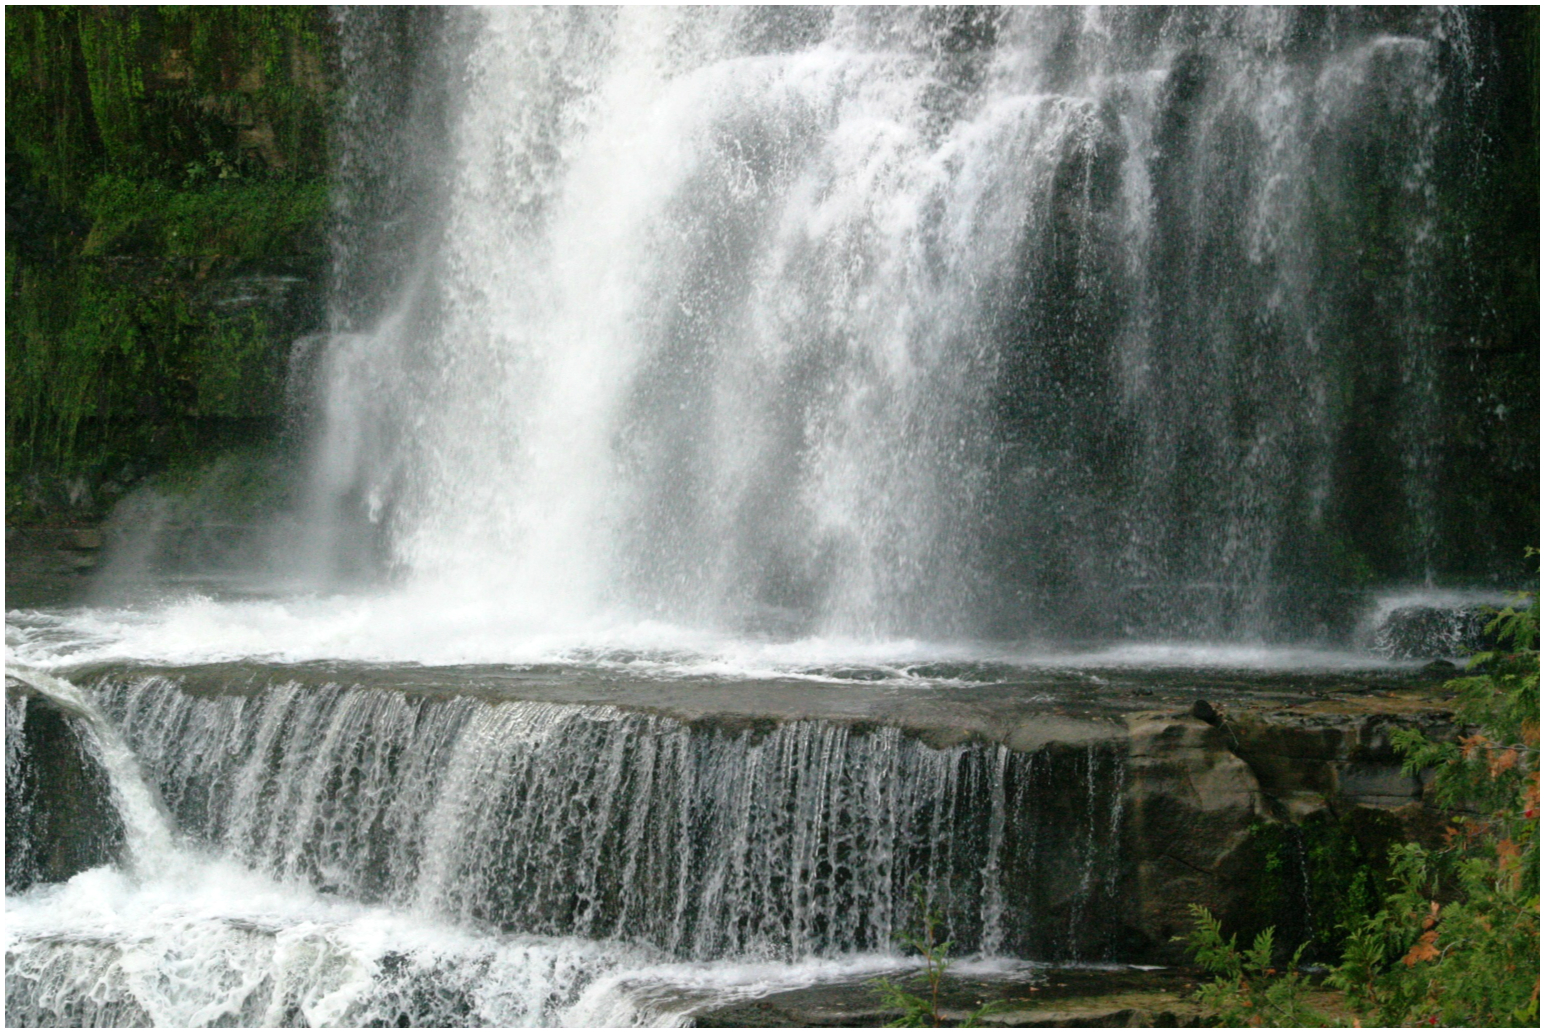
[(874, 356), (776, 841), (878, 323), (498, 858)]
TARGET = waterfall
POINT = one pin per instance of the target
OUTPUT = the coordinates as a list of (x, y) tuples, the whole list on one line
[(868, 323), (752, 454), (149, 835), (734, 837)]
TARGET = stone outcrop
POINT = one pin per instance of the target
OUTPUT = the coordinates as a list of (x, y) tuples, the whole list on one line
[(59, 814), (50, 566), (1052, 997), (1191, 803), (1200, 795)]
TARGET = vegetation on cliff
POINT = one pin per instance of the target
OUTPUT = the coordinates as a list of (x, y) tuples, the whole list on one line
[(1455, 940), (166, 190)]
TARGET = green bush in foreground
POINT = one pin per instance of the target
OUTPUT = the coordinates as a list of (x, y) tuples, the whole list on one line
[(1457, 940)]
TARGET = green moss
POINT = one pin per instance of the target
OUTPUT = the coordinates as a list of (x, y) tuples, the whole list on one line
[(67, 334), (146, 91), (111, 49), (49, 116), (151, 152), (235, 377), (239, 219), (96, 366)]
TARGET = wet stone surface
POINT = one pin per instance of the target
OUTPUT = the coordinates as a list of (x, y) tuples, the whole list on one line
[(59, 815), (1022, 707), (1112, 996), (50, 566)]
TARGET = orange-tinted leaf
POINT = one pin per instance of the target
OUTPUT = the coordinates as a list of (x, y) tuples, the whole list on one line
[(1424, 950), (1507, 852), (1501, 760), (1531, 733), (1470, 743), (1432, 916)]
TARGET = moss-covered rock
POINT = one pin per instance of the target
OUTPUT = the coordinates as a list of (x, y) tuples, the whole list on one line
[(166, 202)]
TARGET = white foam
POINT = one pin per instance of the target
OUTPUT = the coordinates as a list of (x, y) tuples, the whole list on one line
[(1387, 603), (421, 628), (205, 941)]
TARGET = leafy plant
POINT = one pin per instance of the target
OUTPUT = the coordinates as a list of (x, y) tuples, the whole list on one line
[(1459, 935), (921, 1008), (1247, 989)]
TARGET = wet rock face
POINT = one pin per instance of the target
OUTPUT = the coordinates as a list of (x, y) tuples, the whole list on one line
[(59, 815), (50, 566), (1054, 997), (1310, 758), (1191, 802)]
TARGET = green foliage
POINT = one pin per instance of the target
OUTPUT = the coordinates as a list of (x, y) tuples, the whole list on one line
[(237, 219), (1247, 988), (104, 368), (49, 117), (143, 91), (920, 1006), (72, 347), (1456, 939), (150, 150), (1312, 881)]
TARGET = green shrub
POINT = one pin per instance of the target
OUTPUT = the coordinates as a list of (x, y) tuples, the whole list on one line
[(1457, 942), (1248, 989), (919, 1006)]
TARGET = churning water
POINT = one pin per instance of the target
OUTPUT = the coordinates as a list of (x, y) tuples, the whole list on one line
[(791, 344)]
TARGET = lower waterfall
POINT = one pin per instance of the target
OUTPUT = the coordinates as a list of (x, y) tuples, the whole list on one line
[(347, 853)]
